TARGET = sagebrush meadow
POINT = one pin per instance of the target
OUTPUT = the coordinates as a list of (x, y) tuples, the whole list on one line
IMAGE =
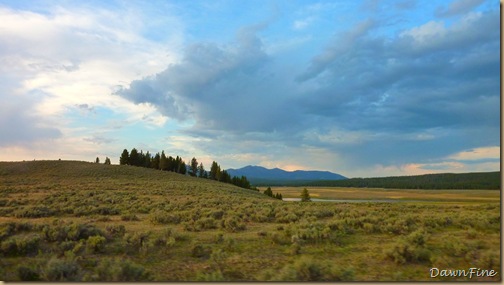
[(79, 221)]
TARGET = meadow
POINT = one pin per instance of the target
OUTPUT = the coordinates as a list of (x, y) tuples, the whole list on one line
[(79, 221)]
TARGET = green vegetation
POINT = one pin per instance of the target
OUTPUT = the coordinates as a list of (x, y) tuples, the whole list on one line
[(482, 180), (177, 165), (305, 195), (78, 221)]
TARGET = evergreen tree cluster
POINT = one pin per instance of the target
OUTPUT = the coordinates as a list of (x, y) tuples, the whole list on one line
[(269, 192), (177, 165), (478, 180), (107, 160)]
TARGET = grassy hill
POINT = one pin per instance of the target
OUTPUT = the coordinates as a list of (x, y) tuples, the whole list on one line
[(78, 221)]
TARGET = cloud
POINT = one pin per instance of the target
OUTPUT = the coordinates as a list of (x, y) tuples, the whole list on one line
[(457, 7), (365, 99), (238, 78), (97, 139), (62, 59), (481, 153), (20, 126), (406, 4)]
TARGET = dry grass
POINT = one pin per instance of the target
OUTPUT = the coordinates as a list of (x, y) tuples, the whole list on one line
[(191, 229), (393, 194)]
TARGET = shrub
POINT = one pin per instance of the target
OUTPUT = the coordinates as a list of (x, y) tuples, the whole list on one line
[(15, 246), (116, 230), (161, 217), (129, 217), (217, 214), (106, 211), (200, 251), (122, 270), (28, 274), (61, 270), (206, 223), (137, 240), (34, 212), (404, 252), (309, 269), (233, 224), (95, 244), (209, 277)]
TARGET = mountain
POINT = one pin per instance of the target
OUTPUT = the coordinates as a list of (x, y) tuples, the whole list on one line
[(261, 175)]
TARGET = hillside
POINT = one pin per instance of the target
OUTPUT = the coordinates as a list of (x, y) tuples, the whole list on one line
[(480, 180), (258, 175), (78, 175), (80, 221)]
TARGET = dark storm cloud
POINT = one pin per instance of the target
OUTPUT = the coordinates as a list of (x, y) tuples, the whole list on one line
[(232, 88), (392, 91), (420, 80)]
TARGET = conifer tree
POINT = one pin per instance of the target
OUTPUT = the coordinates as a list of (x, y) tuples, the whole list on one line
[(215, 171), (97, 160), (305, 196), (146, 160), (155, 161), (163, 162), (107, 161), (201, 170), (134, 157), (124, 159), (193, 167), (183, 167)]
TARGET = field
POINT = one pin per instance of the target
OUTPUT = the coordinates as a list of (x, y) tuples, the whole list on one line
[(391, 194), (78, 221)]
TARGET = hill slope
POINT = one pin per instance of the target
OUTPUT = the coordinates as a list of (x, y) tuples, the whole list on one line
[(479, 180), (78, 221), (260, 175), (78, 175)]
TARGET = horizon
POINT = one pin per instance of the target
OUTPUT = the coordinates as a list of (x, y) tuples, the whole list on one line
[(315, 170), (359, 88)]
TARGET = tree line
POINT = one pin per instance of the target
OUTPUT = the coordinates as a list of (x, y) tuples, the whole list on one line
[(478, 180), (178, 165)]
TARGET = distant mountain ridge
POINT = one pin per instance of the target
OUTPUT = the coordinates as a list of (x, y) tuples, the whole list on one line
[(259, 173)]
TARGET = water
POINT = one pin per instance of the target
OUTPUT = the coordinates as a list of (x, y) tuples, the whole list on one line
[(352, 200)]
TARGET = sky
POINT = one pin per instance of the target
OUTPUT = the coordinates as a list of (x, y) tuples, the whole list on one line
[(361, 88)]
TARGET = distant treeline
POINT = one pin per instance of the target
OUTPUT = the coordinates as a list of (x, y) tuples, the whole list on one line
[(480, 180), (178, 165)]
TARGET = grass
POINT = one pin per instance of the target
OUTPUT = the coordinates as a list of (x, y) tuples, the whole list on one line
[(78, 221), (391, 194)]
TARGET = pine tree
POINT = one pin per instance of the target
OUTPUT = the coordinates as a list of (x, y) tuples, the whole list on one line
[(201, 170), (305, 196), (183, 167), (146, 160), (215, 171), (97, 160), (134, 158), (124, 159), (193, 167), (155, 161), (268, 192), (107, 161), (163, 162)]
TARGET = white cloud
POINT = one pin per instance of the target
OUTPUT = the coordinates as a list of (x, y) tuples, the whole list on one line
[(302, 24), (481, 153), (75, 57), (424, 33)]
